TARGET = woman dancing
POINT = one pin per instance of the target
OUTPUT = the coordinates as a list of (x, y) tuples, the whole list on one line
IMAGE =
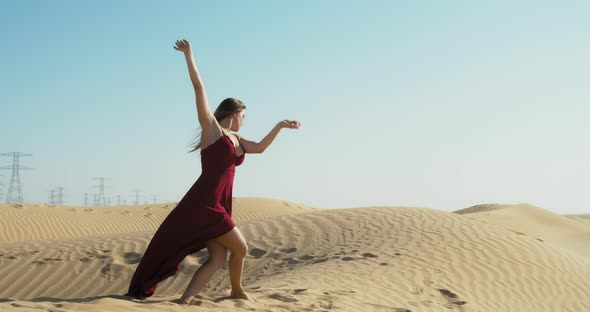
[(203, 217)]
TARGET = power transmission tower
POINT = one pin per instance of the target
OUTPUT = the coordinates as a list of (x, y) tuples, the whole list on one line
[(52, 197), (137, 197), (101, 201), (118, 200), (15, 191), (85, 199), (1, 189), (155, 199), (60, 195)]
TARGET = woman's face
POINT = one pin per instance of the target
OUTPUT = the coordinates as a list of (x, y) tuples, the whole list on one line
[(238, 121)]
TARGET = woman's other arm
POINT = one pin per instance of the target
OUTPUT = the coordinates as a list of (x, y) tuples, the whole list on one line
[(252, 147)]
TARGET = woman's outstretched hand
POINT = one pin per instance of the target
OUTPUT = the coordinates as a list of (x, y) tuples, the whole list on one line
[(291, 124), (183, 46)]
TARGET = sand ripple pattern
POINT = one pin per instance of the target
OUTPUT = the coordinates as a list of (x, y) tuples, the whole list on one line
[(369, 259)]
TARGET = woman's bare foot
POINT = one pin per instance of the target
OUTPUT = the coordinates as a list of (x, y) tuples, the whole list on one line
[(183, 301), (239, 294)]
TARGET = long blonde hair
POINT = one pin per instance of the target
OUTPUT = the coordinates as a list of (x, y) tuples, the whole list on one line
[(225, 108)]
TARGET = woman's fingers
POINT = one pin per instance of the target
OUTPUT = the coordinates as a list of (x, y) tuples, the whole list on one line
[(182, 45), (293, 124)]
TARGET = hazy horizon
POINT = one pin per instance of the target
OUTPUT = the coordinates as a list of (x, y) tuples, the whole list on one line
[(429, 104)]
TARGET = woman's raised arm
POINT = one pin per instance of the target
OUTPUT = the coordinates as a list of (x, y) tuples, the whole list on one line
[(204, 114)]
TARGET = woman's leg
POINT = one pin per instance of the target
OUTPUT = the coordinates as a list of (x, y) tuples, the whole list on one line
[(235, 242), (217, 257)]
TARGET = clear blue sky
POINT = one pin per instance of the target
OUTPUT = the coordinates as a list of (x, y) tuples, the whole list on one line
[(441, 104)]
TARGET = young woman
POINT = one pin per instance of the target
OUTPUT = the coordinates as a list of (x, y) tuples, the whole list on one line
[(203, 217)]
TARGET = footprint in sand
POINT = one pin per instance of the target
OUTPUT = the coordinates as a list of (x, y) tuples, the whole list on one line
[(96, 255), (416, 290), (369, 255), (288, 250), (452, 299), (90, 255), (320, 260), (283, 298), (257, 252), (517, 232), (24, 253), (47, 260), (131, 257)]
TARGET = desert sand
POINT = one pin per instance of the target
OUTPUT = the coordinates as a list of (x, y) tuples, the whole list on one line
[(482, 258)]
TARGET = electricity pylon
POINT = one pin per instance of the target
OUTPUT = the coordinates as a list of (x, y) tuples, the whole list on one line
[(52, 197), (1, 189), (137, 197), (15, 191), (60, 195), (101, 201)]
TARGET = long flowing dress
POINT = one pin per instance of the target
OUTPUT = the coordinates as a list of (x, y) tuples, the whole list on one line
[(204, 213)]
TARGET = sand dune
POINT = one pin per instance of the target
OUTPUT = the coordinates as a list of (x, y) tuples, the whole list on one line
[(25, 222), (582, 218), (306, 259), (567, 233)]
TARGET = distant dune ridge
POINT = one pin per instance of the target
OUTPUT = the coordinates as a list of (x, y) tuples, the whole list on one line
[(482, 258)]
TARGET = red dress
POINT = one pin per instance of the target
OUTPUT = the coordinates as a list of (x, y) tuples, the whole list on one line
[(204, 213)]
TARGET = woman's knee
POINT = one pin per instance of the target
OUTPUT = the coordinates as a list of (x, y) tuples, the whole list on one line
[(234, 242), (240, 250)]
